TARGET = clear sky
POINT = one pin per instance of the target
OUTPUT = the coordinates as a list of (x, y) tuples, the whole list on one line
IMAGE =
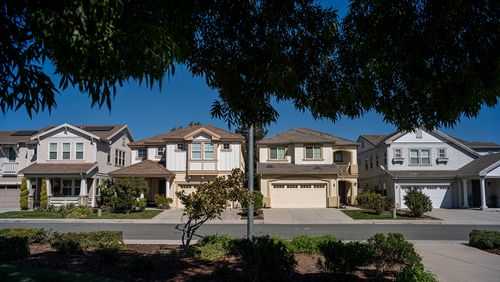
[(184, 98)]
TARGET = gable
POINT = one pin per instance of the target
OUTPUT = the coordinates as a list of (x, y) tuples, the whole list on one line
[(413, 137), (65, 133), (495, 172)]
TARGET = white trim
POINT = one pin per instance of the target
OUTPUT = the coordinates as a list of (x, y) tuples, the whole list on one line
[(489, 168), (116, 133), (190, 136), (64, 125)]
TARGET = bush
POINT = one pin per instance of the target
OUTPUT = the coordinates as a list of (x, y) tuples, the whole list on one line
[(70, 243), (308, 244), (24, 194), (415, 273), (33, 235), (391, 250), (14, 248), (78, 212), (213, 247), (258, 201), (163, 202), (418, 203), (484, 239), (44, 198), (373, 201), (344, 258), (265, 259), (123, 195)]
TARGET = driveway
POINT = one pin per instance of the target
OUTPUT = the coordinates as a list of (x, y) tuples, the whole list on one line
[(467, 216), (454, 261), (305, 216)]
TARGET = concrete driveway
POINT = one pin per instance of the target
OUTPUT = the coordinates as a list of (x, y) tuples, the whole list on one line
[(305, 216), (467, 216), (454, 261)]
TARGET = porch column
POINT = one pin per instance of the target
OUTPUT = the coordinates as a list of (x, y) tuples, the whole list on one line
[(465, 193), (83, 192), (167, 187), (354, 192), (49, 188), (30, 193), (483, 193), (93, 193)]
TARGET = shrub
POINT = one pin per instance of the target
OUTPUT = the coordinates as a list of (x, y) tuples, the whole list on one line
[(391, 250), (44, 198), (66, 243), (24, 194), (33, 235), (415, 273), (373, 201), (78, 212), (258, 201), (308, 244), (124, 193), (418, 203), (344, 258), (163, 202), (70, 243), (213, 247), (484, 239), (265, 259), (13, 248)]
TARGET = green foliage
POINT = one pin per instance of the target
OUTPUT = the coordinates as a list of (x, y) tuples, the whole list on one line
[(24, 195), (484, 239), (13, 248), (415, 273), (163, 202), (44, 198), (213, 247), (70, 243), (257, 199), (340, 257), (66, 243), (123, 195), (308, 244), (418, 203), (392, 249), (373, 201), (209, 201), (78, 212), (265, 259), (33, 235)]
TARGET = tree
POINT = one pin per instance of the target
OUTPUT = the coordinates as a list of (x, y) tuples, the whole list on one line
[(123, 195), (24, 194), (208, 202), (44, 198)]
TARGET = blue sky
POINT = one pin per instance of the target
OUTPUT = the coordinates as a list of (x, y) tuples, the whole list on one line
[(184, 98)]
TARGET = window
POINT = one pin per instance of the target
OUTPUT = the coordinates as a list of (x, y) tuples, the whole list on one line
[(55, 185), (226, 147), (420, 157), (66, 151), (397, 153), (414, 158), (338, 157), (196, 151), (79, 151), (180, 147), (12, 154), (442, 153), (313, 152), (209, 153), (277, 153), (53, 151), (141, 154), (67, 187), (366, 164), (425, 158), (78, 184), (160, 151), (119, 158)]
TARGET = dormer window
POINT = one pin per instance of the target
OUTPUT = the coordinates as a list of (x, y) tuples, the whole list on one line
[(53, 151), (66, 151), (79, 151), (277, 153), (313, 152), (209, 152), (196, 151)]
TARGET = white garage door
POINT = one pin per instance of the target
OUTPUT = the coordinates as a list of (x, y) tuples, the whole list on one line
[(298, 195), (9, 197), (440, 195)]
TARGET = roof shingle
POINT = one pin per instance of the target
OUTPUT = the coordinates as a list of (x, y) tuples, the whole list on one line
[(305, 135), (146, 168), (58, 168)]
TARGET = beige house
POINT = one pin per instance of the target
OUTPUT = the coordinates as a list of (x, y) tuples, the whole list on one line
[(304, 168), (184, 158)]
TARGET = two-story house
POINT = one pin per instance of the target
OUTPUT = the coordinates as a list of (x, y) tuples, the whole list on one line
[(451, 171), (72, 160), (304, 168), (184, 158)]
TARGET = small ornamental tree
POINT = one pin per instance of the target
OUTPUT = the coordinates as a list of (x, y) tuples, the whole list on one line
[(123, 195), (418, 203), (44, 198), (24, 193), (208, 202)]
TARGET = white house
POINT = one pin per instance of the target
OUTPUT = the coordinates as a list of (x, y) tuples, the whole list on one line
[(452, 172)]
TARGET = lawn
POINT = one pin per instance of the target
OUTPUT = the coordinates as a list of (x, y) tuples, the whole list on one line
[(15, 273), (146, 214), (366, 214)]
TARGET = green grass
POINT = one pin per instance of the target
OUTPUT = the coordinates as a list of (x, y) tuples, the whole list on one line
[(366, 214), (13, 273), (146, 214)]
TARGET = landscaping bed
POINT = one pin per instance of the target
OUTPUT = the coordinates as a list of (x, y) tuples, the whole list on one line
[(485, 240), (54, 214), (369, 214)]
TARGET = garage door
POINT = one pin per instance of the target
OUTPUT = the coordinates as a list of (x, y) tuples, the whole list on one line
[(9, 197), (440, 195), (298, 195)]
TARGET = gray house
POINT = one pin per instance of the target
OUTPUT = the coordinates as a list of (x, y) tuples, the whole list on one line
[(454, 173)]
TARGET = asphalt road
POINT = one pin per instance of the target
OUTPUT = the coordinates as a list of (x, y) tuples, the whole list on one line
[(140, 231)]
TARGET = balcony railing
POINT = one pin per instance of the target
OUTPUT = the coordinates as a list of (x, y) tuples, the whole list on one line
[(10, 168)]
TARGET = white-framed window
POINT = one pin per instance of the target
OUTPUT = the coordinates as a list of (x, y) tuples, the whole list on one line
[(277, 153), (67, 185), (66, 154), (226, 147), (442, 153), (53, 151), (414, 157), (420, 157), (181, 147), (160, 151), (313, 152), (79, 151), (196, 151), (209, 151), (425, 157), (338, 157), (398, 153), (119, 158), (142, 153)]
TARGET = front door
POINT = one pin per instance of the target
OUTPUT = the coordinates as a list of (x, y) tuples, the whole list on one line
[(476, 193), (343, 193)]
